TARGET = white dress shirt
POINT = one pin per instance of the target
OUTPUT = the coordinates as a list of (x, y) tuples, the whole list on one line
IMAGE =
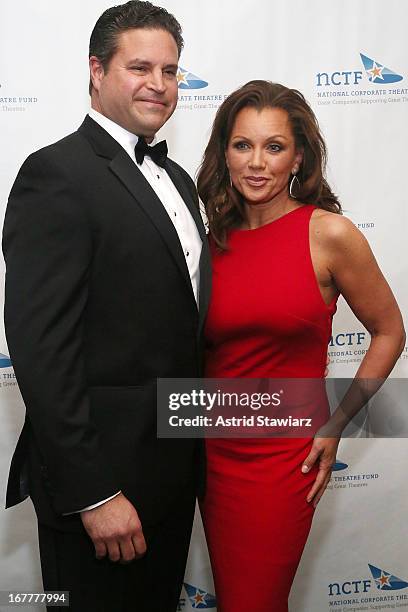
[(173, 204)]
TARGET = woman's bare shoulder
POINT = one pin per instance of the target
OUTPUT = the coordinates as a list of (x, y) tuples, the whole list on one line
[(333, 229)]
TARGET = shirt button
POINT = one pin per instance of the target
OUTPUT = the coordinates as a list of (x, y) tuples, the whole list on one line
[(175, 214), (187, 253)]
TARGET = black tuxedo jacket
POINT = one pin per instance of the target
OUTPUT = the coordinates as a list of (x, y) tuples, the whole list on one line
[(99, 304)]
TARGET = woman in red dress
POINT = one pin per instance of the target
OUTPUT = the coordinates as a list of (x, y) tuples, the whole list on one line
[(281, 255)]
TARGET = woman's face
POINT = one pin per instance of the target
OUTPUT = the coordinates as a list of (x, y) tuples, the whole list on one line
[(261, 154)]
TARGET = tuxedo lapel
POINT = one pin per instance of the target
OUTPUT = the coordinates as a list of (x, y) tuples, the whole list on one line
[(134, 181), (139, 187)]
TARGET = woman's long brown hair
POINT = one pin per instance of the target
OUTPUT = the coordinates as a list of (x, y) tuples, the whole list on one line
[(223, 203)]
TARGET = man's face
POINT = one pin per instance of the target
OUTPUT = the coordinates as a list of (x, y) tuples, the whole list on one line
[(139, 89)]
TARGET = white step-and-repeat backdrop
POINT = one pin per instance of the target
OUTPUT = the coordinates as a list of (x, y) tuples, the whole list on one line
[(350, 60)]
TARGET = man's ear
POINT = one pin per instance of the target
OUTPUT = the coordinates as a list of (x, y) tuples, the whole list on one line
[(96, 72)]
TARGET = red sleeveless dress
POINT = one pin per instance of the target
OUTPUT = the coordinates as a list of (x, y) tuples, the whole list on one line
[(267, 319)]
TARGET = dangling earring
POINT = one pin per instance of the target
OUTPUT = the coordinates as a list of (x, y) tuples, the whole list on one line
[(294, 184), (230, 179)]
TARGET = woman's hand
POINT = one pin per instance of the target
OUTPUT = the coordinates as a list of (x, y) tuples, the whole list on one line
[(323, 450)]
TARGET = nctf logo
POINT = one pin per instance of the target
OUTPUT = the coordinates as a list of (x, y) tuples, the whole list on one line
[(199, 598), (383, 580), (188, 80), (5, 362), (347, 339), (375, 72)]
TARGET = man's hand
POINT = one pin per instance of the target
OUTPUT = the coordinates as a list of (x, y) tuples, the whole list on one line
[(115, 529)]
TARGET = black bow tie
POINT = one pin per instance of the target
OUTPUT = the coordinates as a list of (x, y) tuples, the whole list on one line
[(158, 153)]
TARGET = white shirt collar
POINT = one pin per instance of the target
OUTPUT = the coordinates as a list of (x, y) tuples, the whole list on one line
[(126, 139)]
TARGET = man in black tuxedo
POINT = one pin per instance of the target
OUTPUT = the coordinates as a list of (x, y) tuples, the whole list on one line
[(107, 285)]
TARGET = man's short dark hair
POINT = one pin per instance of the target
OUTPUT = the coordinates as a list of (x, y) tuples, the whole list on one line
[(134, 14)]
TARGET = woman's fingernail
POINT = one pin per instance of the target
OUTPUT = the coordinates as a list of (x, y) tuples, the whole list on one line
[(305, 469)]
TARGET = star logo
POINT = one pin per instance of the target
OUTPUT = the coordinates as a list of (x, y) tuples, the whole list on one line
[(199, 598), (376, 72), (383, 580), (181, 77)]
